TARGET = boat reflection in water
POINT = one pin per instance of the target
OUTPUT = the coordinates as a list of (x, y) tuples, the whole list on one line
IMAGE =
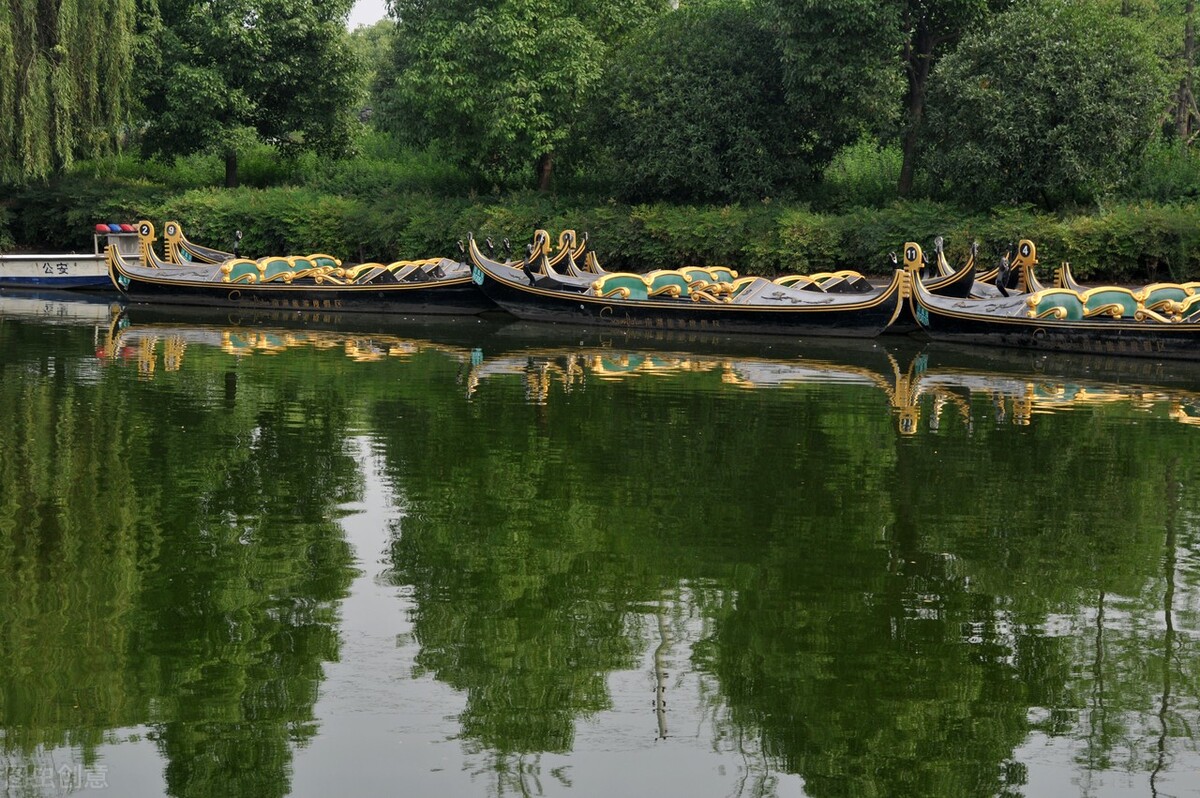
[(925, 383), (1020, 387), (145, 335), (57, 307), (923, 387)]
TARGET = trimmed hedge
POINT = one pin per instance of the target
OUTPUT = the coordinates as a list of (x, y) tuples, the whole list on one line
[(1124, 243)]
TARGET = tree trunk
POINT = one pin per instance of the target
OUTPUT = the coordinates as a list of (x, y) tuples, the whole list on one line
[(545, 171), (919, 55), (1170, 559), (1185, 100), (231, 170)]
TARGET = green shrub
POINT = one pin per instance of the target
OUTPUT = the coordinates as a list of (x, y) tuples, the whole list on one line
[(1135, 243), (861, 175), (1167, 173), (193, 171), (265, 167), (1123, 243), (869, 235), (272, 221), (61, 215), (375, 177)]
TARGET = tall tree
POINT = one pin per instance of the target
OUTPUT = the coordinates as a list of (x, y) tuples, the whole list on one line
[(223, 73), (65, 69), (501, 83), (686, 115), (1052, 103), (372, 45), (842, 69), (929, 26), (1187, 114), (856, 62)]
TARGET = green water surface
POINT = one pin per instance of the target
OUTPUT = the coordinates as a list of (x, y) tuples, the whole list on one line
[(268, 557)]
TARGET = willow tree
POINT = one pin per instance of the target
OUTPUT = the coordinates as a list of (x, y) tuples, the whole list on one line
[(65, 68)]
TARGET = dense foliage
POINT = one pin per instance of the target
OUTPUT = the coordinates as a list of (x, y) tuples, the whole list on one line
[(1053, 103), (219, 76), (500, 84), (841, 62), (685, 115), (777, 110)]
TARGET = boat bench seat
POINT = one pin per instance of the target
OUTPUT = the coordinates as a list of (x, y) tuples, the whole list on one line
[(668, 282), (356, 273), (322, 260), (802, 281), (673, 283), (621, 285), (741, 284), (839, 282), (319, 267), (1189, 309), (1055, 303), (1169, 298), (239, 270), (1111, 301), (272, 269), (709, 274), (846, 282), (277, 268), (411, 271)]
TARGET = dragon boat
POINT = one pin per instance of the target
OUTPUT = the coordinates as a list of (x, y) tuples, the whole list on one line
[(1012, 275), (943, 281), (1160, 320), (573, 260), (313, 282), (691, 298), (177, 248), (949, 281)]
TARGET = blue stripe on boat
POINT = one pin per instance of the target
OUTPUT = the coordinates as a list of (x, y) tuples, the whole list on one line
[(90, 281)]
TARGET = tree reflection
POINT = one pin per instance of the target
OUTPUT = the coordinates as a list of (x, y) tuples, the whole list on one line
[(922, 669), (171, 558), (877, 613), (529, 560), (880, 624)]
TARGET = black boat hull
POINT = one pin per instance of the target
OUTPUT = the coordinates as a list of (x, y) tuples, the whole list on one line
[(456, 297), (968, 321), (456, 300), (863, 319), (1101, 338)]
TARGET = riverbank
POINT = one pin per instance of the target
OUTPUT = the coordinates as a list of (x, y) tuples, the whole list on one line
[(1134, 242)]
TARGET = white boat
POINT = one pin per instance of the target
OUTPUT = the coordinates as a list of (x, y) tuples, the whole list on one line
[(70, 270)]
